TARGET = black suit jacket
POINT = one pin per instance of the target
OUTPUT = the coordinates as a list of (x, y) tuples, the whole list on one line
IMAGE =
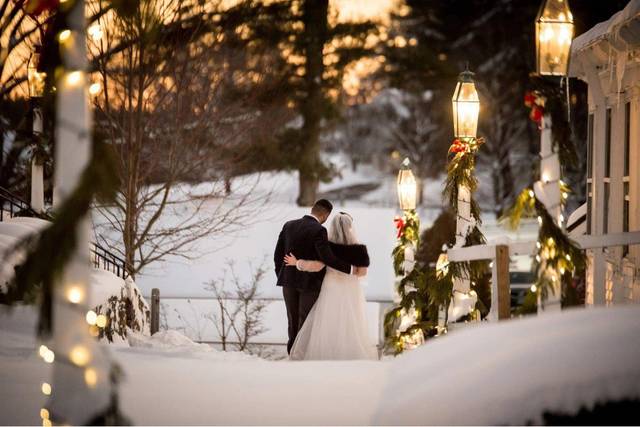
[(307, 239)]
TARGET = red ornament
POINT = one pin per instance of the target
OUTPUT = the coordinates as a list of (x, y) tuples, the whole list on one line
[(536, 114), (529, 99), (399, 225)]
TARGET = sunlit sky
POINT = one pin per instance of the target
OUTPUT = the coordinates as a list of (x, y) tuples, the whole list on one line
[(362, 10)]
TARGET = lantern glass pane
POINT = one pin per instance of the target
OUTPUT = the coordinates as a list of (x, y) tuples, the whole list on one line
[(407, 189), (466, 107), (554, 32)]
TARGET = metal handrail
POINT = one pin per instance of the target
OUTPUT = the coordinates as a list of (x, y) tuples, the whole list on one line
[(101, 257), (17, 206)]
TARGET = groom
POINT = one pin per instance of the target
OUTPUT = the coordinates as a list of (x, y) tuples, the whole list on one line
[(307, 239)]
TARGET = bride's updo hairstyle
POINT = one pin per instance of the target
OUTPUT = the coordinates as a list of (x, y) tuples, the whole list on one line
[(341, 230)]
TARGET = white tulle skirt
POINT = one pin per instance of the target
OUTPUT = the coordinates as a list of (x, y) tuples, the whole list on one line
[(336, 327)]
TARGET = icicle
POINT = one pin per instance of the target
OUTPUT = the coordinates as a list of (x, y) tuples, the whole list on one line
[(621, 65)]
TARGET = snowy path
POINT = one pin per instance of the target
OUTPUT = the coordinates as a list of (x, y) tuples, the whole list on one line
[(206, 391), (506, 373)]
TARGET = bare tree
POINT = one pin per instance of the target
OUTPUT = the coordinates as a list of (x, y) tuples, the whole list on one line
[(241, 310), (179, 108), (421, 139)]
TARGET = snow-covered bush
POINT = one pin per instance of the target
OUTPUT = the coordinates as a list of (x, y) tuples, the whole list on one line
[(123, 305)]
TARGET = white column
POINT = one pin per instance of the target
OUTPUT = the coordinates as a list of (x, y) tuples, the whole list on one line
[(80, 386), (37, 170), (464, 223), (547, 190)]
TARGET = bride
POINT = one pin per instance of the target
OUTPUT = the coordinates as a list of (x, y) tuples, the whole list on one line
[(336, 327)]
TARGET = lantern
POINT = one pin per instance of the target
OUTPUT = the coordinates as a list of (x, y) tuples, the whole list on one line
[(35, 78), (554, 31), (407, 187), (466, 107)]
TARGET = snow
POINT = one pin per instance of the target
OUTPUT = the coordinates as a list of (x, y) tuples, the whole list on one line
[(503, 373), (609, 29)]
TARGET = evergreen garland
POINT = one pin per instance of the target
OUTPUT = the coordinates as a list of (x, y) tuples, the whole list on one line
[(555, 250), (460, 172), (424, 290), (548, 97), (410, 287)]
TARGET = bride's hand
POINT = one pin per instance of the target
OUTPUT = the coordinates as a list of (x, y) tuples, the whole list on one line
[(290, 260)]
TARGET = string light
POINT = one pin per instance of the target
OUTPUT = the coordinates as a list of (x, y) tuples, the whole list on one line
[(534, 288), (95, 88), (44, 413), (74, 78), (64, 35), (101, 321), (46, 389), (46, 423), (79, 355), (91, 317), (75, 294), (91, 377), (531, 193), (43, 350), (49, 356), (565, 195), (568, 257), (540, 220), (95, 32)]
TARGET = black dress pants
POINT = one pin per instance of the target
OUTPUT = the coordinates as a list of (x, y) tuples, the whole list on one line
[(299, 302)]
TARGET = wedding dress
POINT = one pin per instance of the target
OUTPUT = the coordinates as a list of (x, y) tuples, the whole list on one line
[(336, 327)]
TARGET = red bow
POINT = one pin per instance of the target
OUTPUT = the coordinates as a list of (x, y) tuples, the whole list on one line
[(529, 99), (534, 101), (400, 224), (457, 146)]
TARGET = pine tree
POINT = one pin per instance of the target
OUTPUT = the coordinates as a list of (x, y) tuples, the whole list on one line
[(309, 50)]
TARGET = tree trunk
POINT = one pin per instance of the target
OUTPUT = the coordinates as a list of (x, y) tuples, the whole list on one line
[(312, 106)]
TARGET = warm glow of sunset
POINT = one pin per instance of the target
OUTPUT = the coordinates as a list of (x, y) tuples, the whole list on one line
[(363, 10)]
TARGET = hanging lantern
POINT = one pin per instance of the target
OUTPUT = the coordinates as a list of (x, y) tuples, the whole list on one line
[(554, 32), (407, 187), (36, 79), (466, 107)]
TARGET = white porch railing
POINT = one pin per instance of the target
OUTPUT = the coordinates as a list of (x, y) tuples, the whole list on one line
[(499, 303)]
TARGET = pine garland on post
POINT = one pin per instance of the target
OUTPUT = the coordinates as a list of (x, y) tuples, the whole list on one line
[(402, 329), (460, 185), (557, 256)]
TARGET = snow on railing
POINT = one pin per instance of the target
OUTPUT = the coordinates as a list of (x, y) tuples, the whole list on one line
[(12, 206)]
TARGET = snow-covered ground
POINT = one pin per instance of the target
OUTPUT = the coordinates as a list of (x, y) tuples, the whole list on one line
[(505, 373)]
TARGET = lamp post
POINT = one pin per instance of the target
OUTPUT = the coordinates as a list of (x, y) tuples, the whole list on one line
[(554, 32), (36, 81), (408, 237), (466, 109)]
